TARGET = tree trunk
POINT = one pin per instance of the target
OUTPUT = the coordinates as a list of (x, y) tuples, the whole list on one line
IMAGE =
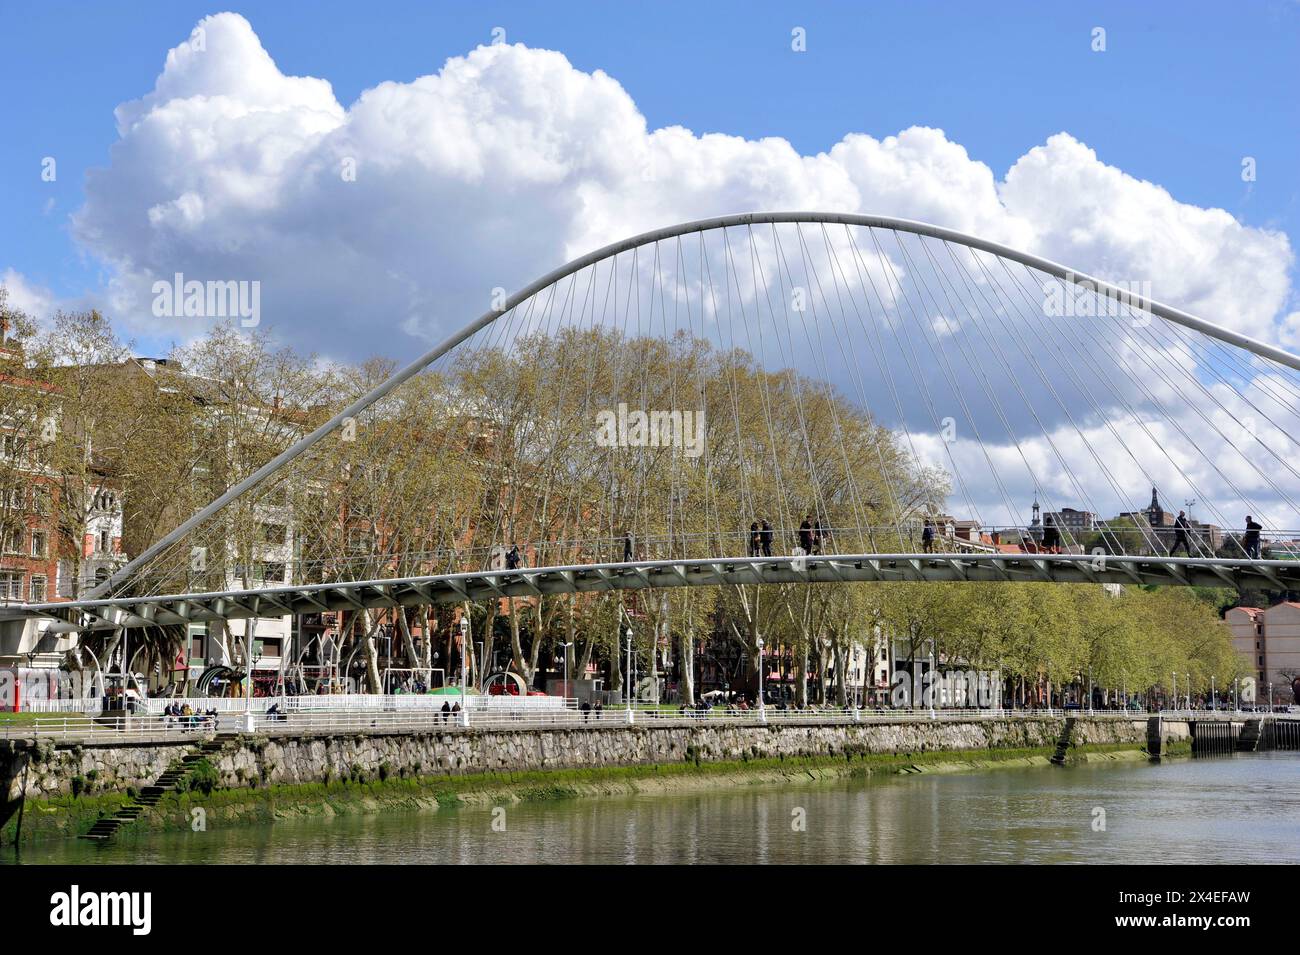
[(370, 653), (516, 647), (686, 663), (408, 642), (489, 631), (841, 677), (536, 646)]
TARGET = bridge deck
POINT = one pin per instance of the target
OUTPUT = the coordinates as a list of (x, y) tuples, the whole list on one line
[(126, 611)]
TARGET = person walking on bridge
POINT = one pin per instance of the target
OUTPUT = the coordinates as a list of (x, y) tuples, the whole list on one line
[(806, 535), (1181, 527), (755, 539), (1051, 537), (766, 534), (927, 536), (1251, 539)]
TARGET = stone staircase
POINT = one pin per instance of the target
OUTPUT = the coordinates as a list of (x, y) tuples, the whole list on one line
[(178, 772), (1063, 741), (1248, 740)]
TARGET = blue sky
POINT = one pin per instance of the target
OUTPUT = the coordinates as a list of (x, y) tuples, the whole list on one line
[(483, 167), (1181, 94)]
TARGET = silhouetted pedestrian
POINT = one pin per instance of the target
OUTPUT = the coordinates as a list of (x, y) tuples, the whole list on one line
[(1181, 527), (755, 539), (805, 535), (1251, 539), (1051, 537), (767, 534)]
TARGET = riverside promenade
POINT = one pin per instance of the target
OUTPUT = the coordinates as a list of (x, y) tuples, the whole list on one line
[(121, 753)]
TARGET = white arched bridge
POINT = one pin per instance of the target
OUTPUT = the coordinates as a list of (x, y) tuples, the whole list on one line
[(767, 398)]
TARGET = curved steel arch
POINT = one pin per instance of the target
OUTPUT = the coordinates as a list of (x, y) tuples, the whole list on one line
[(924, 229)]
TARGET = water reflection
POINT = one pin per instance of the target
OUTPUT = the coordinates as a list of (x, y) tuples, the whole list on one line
[(1235, 809)]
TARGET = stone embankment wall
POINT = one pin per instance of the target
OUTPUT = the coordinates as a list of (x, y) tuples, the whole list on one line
[(103, 765)]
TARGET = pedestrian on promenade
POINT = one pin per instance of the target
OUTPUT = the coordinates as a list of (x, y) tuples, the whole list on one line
[(927, 536), (628, 547), (755, 539), (767, 534), (818, 537), (512, 557), (446, 711), (1251, 539), (1181, 527)]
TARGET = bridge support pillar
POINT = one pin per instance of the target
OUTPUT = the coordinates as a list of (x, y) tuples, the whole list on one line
[(1155, 737)]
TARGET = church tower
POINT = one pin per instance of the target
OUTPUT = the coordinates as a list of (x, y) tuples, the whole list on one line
[(1155, 513)]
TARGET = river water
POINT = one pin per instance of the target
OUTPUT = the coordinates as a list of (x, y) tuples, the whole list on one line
[(1218, 810)]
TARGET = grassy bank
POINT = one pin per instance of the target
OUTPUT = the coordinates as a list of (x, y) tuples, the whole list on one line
[(69, 816)]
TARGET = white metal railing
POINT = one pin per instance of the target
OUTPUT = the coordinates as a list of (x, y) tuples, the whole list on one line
[(117, 727), (362, 702), (524, 717), (81, 705), (222, 704)]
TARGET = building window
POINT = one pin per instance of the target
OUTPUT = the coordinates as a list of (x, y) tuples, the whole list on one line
[(15, 497), (13, 446), (271, 572), (274, 533), (40, 545), (41, 499), (11, 540), (38, 589), (105, 542), (11, 585)]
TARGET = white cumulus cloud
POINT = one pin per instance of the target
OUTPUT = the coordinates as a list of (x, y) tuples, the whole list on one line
[(403, 211)]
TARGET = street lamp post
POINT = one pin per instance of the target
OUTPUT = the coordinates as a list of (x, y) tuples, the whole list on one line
[(628, 695), (464, 669), (762, 677), (126, 701), (564, 650)]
